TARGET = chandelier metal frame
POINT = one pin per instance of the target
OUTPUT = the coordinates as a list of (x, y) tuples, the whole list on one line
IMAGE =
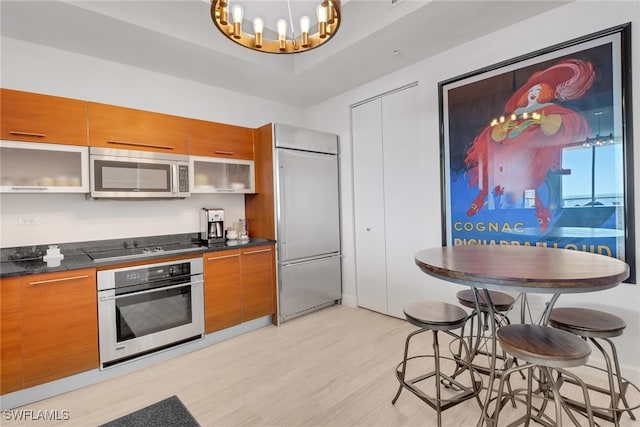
[(230, 25)]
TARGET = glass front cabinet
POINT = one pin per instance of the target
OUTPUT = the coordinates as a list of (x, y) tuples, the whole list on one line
[(43, 168), (218, 175)]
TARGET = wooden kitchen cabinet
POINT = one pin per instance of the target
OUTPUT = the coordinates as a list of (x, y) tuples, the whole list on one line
[(258, 281), (43, 168), (222, 307), (10, 336), (239, 285), (59, 325), (220, 140), (34, 117), (112, 126), (217, 175)]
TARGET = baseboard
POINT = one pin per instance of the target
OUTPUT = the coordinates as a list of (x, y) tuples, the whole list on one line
[(349, 300)]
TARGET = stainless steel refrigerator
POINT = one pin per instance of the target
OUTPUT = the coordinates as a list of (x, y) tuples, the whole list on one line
[(307, 220)]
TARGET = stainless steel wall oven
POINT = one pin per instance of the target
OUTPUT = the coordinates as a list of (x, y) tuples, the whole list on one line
[(147, 308)]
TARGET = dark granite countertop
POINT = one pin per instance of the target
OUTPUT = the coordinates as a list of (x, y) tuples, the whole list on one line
[(25, 260)]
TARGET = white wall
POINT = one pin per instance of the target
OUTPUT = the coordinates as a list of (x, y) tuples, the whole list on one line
[(71, 218), (571, 21)]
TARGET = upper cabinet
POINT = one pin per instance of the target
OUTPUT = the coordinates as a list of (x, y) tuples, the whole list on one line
[(34, 117), (217, 175), (44, 168), (220, 140), (126, 128)]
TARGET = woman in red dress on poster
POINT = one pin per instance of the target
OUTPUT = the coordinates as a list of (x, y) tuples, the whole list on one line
[(513, 155)]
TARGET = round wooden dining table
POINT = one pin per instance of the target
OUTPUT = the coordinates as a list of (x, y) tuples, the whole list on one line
[(523, 268), (528, 269)]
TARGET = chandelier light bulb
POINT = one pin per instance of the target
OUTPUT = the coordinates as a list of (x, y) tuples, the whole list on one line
[(258, 27), (222, 15), (321, 11), (330, 12), (305, 23), (281, 27), (236, 14)]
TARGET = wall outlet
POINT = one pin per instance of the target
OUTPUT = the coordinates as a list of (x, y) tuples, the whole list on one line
[(27, 220)]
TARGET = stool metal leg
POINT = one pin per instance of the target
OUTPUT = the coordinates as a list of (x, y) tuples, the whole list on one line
[(546, 378), (441, 379), (436, 352), (614, 412), (404, 363), (612, 389), (618, 374)]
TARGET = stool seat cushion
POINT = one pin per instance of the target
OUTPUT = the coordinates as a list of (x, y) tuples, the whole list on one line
[(500, 300), (586, 322), (433, 313), (543, 345)]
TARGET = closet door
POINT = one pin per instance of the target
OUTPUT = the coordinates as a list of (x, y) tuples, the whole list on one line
[(405, 189), (389, 188), (368, 189)]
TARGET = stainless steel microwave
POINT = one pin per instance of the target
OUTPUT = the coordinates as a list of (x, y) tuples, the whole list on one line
[(137, 174)]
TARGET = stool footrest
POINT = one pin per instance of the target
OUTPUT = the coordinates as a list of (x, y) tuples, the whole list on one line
[(598, 411), (464, 392)]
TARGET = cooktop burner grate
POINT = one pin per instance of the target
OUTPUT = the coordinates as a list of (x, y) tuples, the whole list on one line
[(140, 252)]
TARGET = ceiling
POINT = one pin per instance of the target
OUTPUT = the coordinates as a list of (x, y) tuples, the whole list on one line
[(178, 38)]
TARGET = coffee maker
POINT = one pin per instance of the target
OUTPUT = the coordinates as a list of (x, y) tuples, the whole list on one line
[(212, 225)]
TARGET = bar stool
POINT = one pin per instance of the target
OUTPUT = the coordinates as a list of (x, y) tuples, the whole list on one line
[(549, 350), (598, 326), (436, 317)]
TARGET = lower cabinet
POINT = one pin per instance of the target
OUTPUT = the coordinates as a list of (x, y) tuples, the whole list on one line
[(239, 286), (10, 336), (258, 294), (222, 307), (56, 330)]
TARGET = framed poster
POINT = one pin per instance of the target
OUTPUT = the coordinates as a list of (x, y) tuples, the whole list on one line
[(537, 150)]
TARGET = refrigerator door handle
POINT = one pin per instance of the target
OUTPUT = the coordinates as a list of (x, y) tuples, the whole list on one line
[(308, 260), (281, 213)]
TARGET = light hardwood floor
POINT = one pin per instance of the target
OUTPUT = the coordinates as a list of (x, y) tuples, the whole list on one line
[(334, 367)]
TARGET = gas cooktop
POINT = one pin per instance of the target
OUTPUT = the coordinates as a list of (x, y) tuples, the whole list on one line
[(141, 252)]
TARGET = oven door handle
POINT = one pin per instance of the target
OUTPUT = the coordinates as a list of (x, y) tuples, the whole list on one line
[(195, 282)]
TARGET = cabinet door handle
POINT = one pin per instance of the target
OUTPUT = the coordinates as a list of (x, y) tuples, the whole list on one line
[(140, 144), (38, 135), (222, 257), (226, 153), (257, 252), (149, 291), (62, 279)]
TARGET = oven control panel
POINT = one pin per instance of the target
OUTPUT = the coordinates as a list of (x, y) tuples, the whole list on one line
[(148, 274)]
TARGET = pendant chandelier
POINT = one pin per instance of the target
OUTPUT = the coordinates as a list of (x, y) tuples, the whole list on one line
[(228, 16)]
